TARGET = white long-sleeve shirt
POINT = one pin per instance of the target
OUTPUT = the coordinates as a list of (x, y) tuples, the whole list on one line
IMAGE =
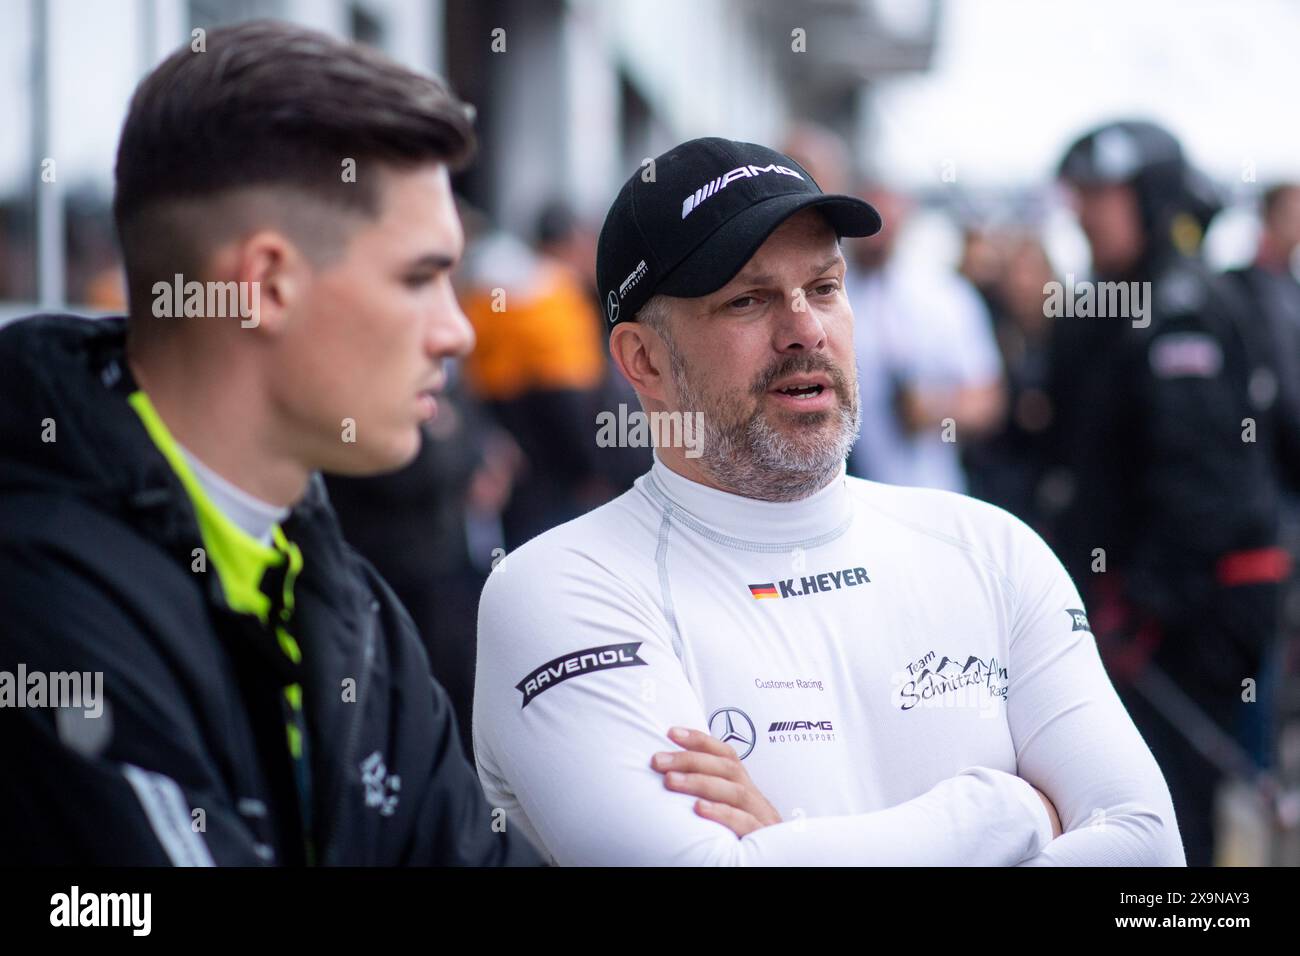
[(892, 663)]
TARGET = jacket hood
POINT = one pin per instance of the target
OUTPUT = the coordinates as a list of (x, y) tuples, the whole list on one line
[(66, 426), (63, 426)]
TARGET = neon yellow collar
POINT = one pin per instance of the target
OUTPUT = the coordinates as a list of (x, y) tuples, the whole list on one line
[(240, 559)]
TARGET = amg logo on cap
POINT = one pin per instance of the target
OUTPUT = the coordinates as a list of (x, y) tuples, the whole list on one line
[(633, 277), (721, 182), (579, 662)]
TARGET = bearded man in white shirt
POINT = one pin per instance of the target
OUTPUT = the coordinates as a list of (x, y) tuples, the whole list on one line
[(856, 673)]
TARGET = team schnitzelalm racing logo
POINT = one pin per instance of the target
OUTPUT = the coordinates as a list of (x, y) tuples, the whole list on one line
[(950, 681)]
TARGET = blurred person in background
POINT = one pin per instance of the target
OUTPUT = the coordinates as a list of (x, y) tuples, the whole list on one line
[(984, 255), (928, 366), (1271, 291), (1165, 515), (561, 236), (565, 237), (823, 153), (537, 367), (1278, 246), (1005, 466)]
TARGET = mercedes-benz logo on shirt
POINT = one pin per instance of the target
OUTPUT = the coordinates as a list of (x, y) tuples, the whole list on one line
[(733, 726)]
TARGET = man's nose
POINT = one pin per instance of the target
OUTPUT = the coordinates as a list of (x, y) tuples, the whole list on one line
[(450, 333), (799, 327)]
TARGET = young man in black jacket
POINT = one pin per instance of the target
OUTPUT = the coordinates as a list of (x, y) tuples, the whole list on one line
[(248, 689)]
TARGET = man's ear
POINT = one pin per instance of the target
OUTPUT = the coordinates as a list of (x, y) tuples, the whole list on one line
[(641, 356), (273, 277)]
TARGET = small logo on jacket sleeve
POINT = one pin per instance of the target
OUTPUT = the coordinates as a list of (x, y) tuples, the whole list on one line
[(1079, 620), (592, 659), (382, 787)]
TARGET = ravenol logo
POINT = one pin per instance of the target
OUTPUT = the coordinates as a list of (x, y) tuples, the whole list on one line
[(577, 663)]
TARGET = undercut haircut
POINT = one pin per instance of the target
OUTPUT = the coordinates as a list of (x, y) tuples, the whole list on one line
[(270, 109)]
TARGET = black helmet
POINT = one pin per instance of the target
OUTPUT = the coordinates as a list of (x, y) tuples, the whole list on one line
[(1176, 201)]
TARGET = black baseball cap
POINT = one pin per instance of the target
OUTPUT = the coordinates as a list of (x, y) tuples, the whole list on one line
[(686, 225)]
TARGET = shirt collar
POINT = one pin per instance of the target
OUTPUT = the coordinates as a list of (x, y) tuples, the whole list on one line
[(250, 514), (771, 522)]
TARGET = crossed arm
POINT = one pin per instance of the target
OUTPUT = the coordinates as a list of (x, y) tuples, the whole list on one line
[(707, 768)]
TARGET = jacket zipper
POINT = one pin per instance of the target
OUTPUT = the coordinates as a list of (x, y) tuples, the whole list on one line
[(329, 854)]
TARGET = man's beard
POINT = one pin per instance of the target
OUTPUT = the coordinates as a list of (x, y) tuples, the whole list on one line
[(746, 455)]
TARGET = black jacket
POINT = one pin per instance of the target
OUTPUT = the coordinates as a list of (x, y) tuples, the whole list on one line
[(1148, 429), (96, 543), (1272, 302)]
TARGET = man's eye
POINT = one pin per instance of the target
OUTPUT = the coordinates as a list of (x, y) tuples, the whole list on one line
[(827, 288), (416, 281), (742, 303)]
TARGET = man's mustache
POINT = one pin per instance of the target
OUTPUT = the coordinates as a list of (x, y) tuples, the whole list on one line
[(802, 366)]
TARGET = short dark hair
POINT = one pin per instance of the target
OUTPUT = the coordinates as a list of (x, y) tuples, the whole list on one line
[(271, 104)]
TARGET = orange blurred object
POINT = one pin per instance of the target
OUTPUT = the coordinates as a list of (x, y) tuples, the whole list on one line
[(546, 337)]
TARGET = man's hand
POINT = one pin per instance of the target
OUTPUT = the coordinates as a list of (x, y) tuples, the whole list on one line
[(710, 769), (1051, 812)]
